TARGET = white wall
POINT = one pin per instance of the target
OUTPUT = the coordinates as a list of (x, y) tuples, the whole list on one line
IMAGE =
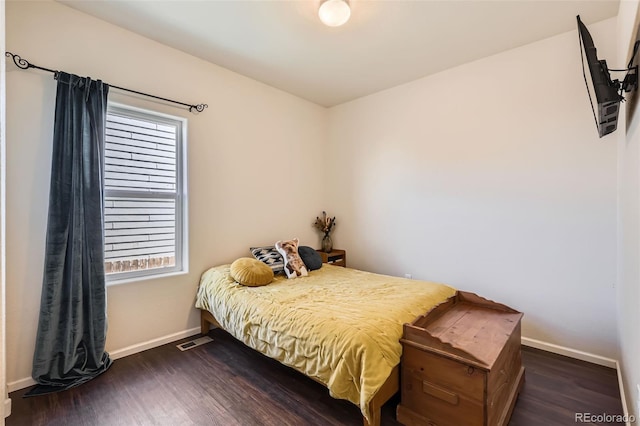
[(255, 166), (629, 219), (490, 177)]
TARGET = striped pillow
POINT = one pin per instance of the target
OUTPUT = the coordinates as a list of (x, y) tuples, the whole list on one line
[(270, 256)]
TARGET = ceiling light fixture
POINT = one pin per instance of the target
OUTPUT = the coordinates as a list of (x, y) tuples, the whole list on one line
[(334, 12)]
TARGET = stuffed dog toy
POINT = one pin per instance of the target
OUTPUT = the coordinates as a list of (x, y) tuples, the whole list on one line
[(293, 264)]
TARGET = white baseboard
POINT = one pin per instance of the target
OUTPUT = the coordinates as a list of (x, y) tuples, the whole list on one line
[(20, 384), (7, 407), (623, 397), (571, 353), (119, 353), (154, 343)]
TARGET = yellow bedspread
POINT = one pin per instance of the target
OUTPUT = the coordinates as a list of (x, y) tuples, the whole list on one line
[(340, 326)]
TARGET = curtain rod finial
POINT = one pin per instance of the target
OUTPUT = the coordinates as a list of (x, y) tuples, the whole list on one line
[(199, 107), (20, 63)]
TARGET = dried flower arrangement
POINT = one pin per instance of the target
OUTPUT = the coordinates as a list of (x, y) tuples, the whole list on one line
[(325, 224)]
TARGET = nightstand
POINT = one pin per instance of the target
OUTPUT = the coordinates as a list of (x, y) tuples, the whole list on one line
[(336, 257)]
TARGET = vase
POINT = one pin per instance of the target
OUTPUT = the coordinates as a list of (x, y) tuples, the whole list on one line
[(327, 244)]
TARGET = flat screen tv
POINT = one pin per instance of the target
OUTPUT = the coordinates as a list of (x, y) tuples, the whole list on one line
[(600, 86)]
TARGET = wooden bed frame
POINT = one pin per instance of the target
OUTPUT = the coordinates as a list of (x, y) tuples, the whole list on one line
[(390, 387)]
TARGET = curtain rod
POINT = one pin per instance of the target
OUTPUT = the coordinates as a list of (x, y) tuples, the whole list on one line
[(24, 64)]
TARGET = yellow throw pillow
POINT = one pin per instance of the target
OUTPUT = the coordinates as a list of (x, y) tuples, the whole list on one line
[(251, 272)]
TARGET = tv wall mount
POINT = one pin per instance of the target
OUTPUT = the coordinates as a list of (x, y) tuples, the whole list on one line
[(630, 81)]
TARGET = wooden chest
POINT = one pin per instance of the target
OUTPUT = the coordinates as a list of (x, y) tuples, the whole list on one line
[(461, 364)]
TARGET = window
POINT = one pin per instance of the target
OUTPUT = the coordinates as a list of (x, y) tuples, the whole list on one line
[(145, 197)]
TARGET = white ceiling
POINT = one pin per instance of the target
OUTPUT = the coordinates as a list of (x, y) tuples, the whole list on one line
[(386, 43)]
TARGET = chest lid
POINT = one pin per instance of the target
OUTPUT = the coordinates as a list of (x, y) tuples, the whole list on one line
[(466, 327)]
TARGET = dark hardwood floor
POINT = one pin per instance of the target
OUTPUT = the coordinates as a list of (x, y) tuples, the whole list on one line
[(226, 383)]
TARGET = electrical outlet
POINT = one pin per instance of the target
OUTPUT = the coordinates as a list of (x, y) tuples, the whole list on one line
[(408, 276)]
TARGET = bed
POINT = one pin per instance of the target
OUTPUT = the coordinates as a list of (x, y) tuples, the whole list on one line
[(339, 326)]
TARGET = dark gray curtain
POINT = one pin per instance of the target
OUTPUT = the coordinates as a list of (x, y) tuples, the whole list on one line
[(72, 325)]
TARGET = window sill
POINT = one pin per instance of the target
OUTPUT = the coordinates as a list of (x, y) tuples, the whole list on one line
[(114, 282)]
